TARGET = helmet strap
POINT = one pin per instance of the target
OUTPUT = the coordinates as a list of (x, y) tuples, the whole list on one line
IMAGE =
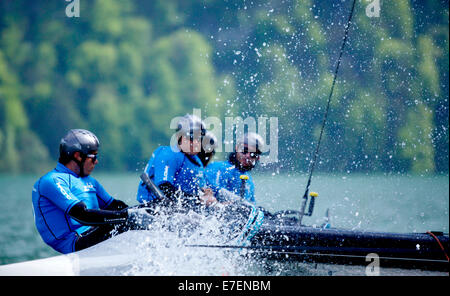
[(80, 164)]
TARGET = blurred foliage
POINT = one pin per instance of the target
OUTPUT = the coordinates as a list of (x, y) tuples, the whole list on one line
[(125, 68)]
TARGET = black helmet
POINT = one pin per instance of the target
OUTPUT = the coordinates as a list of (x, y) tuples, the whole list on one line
[(78, 140), (190, 125)]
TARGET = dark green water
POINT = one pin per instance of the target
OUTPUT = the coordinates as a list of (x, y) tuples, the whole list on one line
[(394, 203)]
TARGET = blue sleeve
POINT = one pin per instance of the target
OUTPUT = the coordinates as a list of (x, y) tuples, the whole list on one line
[(57, 190), (210, 177), (165, 165), (215, 176), (161, 168), (103, 197), (251, 193)]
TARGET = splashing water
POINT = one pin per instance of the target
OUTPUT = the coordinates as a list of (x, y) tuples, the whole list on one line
[(164, 249)]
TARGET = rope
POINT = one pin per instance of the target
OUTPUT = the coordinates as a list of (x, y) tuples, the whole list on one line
[(439, 243)]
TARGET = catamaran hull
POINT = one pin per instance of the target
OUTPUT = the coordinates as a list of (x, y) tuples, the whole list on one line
[(426, 251)]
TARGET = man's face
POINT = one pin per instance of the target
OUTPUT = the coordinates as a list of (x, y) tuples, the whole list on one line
[(248, 158), (89, 164), (191, 145)]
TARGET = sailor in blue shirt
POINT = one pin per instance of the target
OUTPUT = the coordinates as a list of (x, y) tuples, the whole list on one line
[(177, 170), (232, 183), (72, 210), (234, 174)]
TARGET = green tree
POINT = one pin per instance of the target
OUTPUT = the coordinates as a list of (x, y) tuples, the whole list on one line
[(125, 68)]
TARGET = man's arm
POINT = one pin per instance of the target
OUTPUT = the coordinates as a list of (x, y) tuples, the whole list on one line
[(116, 205), (92, 217)]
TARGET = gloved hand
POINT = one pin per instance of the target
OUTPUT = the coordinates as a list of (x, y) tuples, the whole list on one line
[(117, 205), (139, 218)]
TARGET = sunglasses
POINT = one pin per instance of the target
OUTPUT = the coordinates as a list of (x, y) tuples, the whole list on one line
[(193, 137), (253, 154), (92, 156)]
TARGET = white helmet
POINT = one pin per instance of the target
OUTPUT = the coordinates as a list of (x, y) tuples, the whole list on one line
[(251, 142), (190, 125)]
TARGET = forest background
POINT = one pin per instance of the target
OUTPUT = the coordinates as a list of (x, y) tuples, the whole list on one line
[(124, 68)]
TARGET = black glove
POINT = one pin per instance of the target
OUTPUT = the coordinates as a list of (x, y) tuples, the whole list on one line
[(116, 205)]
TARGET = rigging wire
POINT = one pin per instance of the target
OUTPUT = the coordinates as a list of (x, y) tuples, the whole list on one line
[(316, 152), (307, 251)]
